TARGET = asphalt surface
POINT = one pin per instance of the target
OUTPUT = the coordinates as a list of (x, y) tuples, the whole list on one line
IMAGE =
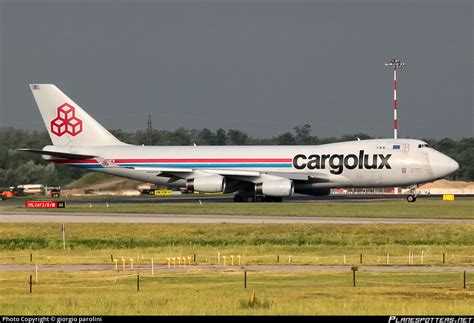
[(82, 217), (298, 198)]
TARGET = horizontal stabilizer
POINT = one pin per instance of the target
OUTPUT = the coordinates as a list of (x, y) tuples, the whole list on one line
[(56, 153)]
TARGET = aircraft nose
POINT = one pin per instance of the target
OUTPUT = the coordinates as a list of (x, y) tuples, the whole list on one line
[(442, 165)]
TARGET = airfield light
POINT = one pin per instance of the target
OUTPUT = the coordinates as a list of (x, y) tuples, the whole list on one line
[(395, 64)]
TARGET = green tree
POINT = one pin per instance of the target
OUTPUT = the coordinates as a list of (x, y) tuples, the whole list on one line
[(236, 137), (286, 138), (221, 137), (303, 135)]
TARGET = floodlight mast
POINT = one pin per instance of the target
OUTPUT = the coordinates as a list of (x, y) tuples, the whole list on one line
[(395, 64)]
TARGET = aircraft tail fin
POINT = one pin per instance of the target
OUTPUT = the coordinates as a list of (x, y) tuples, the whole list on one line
[(67, 123)]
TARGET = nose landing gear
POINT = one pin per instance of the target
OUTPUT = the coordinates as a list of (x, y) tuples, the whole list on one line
[(412, 195)]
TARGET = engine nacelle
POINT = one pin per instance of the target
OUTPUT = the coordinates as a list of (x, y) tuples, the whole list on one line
[(209, 184), (280, 187)]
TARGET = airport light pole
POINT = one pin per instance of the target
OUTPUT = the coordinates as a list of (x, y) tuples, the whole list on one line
[(150, 131), (395, 64)]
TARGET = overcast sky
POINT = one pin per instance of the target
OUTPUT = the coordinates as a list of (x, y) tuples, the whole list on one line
[(263, 67)]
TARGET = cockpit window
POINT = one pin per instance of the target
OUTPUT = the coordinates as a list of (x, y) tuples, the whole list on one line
[(423, 146)]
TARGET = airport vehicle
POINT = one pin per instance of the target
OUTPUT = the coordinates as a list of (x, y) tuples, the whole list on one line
[(32, 188), (12, 191), (54, 191), (147, 189), (254, 173)]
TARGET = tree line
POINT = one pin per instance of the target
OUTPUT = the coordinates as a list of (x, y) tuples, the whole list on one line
[(22, 168)]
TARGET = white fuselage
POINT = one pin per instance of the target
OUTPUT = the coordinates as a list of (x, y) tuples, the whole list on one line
[(365, 163)]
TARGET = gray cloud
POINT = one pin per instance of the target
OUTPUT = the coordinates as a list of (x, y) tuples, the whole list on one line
[(262, 67)]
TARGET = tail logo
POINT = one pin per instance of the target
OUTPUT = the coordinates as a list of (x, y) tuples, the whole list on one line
[(66, 121)]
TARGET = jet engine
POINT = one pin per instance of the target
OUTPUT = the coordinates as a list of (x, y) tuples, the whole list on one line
[(281, 187), (210, 184)]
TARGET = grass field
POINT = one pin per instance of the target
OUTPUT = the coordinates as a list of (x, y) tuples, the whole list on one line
[(256, 243), (423, 208), (199, 293)]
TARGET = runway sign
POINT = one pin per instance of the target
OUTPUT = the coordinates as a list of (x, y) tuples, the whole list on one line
[(45, 204)]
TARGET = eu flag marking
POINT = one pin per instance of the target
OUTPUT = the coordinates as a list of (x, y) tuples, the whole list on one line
[(396, 146)]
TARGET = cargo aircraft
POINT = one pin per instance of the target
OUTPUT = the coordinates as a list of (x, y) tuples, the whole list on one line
[(253, 173)]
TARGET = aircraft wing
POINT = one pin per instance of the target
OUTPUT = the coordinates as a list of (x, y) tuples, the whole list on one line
[(243, 175), (187, 172)]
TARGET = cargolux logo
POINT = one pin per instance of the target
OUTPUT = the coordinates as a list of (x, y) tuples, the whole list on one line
[(66, 121), (337, 162)]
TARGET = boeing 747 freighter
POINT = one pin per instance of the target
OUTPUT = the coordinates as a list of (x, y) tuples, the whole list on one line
[(253, 173)]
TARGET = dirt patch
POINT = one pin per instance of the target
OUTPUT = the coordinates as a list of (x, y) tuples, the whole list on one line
[(443, 183)]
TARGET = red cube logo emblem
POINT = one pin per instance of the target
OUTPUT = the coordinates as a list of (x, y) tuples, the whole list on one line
[(66, 121), (58, 127)]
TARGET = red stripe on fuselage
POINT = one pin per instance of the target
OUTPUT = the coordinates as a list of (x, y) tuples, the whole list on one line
[(204, 160), (177, 160)]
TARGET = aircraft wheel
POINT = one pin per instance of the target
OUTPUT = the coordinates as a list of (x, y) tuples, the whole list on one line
[(411, 198), (238, 198), (249, 198), (260, 198)]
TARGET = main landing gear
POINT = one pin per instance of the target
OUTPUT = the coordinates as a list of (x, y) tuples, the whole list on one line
[(256, 198)]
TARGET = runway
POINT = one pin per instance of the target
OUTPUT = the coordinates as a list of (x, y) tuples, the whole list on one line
[(82, 217), (190, 198)]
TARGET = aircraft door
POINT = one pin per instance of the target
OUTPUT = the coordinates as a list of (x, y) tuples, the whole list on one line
[(406, 148)]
